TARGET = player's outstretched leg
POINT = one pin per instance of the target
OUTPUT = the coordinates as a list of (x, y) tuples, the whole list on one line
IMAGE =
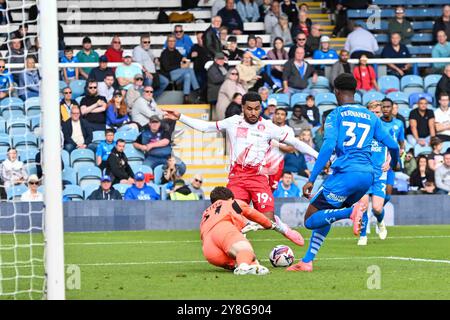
[(378, 212), (317, 238), (245, 259), (289, 233)]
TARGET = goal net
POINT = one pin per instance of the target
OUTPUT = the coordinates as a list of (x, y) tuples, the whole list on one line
[(31, 259)]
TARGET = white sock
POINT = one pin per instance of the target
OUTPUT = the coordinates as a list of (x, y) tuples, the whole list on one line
[(283, 227)]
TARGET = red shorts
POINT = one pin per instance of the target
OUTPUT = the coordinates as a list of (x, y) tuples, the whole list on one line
[(253, 188), (217, 243), (275, 178)]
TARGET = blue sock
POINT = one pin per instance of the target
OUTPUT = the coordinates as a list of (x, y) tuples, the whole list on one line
[(317, 238), (324, 218), (364, 223), (380, 216), (387, 198)]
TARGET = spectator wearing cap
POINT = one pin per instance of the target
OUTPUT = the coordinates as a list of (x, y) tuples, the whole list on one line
[(399, 24), (106, 87), (324, 53), (297, 121), (117, 114), (114, 53), (99, 73), (271, 18), (104, 149), (269, 112), (216, 76), (117, 166), (66, 104), (93, 107), (13, 171), (230, 86), (310, 112), (134, 92), (248, 10), (442, 23), (232, 52), (296, 73), (69, 73), (211, 38), (140, 190), (231, 18), (87, 55), (177, 67), (182, 192), (32, 194), (253, 49), (360, 41), (340, 66), (154, 141), (126, 72), (286, 187), (143, 55), (106, 191), (282, 30), (196, 186), (183, 42), (145, 107), (77, 132), (396, 50), (300, 42), (440, 50)]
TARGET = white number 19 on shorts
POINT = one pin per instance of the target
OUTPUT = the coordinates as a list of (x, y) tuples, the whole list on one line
[(262, 196)]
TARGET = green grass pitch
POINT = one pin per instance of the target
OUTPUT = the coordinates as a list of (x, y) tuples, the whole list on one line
[(170, 265)]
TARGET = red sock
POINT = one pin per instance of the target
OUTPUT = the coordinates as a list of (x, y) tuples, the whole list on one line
[(245, 256)]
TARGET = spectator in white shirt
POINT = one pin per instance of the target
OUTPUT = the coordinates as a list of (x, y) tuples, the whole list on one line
[(360, 42), (13, 171), (145, 107), (271, 18), (32, 194), (105, 88), (442, 118)]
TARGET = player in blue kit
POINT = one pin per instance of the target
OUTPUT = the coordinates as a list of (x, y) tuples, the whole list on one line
[(349, 131), (380, 162)]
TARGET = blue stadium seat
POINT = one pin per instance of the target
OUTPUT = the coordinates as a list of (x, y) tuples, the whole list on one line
[(430, 82), (9, 114), (158, 173), (381, 38), (18, 126), (364, 13), (32, 102), (82, 157), (62, 85), (422, 25), (418, 150), (423, 12), (88, 175), (445, 146), (35, 121), (12, 103), (28, 155), (411, 84), (77, 87), (422, 50), (300, 181), (69, 174), (422, 37), (121, 187), (372, 95), (298, 98), (88, 189), (383, 24), (322, 84), (65, 158), (78, 99), (414, 98), (98, 136), (5, 140), (74, 192), (31, 168), (128, 136), (32, 107), (404, 110), (358, 98), (2, 125), (25, 140), (399, 97), (325, 99), (134, 156), (325, 108), (142, 168), (388, 82), (14, 193), (282, 99)]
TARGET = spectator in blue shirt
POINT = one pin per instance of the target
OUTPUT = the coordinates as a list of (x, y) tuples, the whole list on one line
[(286, 187), (440, 50), (104, 148), (29, 80), (253, 49), (117, 114), (140, 190), (323, 53), (296, 163), (248, 10), (69, 74), (183, 42), (396, 50), (6, 81)]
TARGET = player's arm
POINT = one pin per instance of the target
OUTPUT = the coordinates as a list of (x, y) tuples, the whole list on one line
[(197, 124), (251, 214), (283, 147), (297, 144)]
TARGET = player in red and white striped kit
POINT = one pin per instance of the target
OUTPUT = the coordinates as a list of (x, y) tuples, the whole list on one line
[(250, 139)]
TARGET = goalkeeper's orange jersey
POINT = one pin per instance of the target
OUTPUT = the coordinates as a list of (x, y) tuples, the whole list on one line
[(235, 211)]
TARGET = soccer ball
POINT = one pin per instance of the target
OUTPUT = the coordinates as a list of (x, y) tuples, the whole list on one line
[(281, 256)]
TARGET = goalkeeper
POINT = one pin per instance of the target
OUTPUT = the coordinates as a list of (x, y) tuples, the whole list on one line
[(223, 243)]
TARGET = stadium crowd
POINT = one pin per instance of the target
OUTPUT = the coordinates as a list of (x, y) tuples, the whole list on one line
[(121, 102)]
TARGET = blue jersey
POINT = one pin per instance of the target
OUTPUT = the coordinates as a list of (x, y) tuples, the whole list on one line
[(6, 81), (379, 155), (146, 193), (104, 149), (292, 192), (70, 71), (395, 128)]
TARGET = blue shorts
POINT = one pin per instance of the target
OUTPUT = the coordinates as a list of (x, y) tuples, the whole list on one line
[(390, 177), (378, 188), (342, 189)]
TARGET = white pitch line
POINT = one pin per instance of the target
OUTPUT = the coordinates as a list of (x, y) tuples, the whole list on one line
[(252, 240)]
